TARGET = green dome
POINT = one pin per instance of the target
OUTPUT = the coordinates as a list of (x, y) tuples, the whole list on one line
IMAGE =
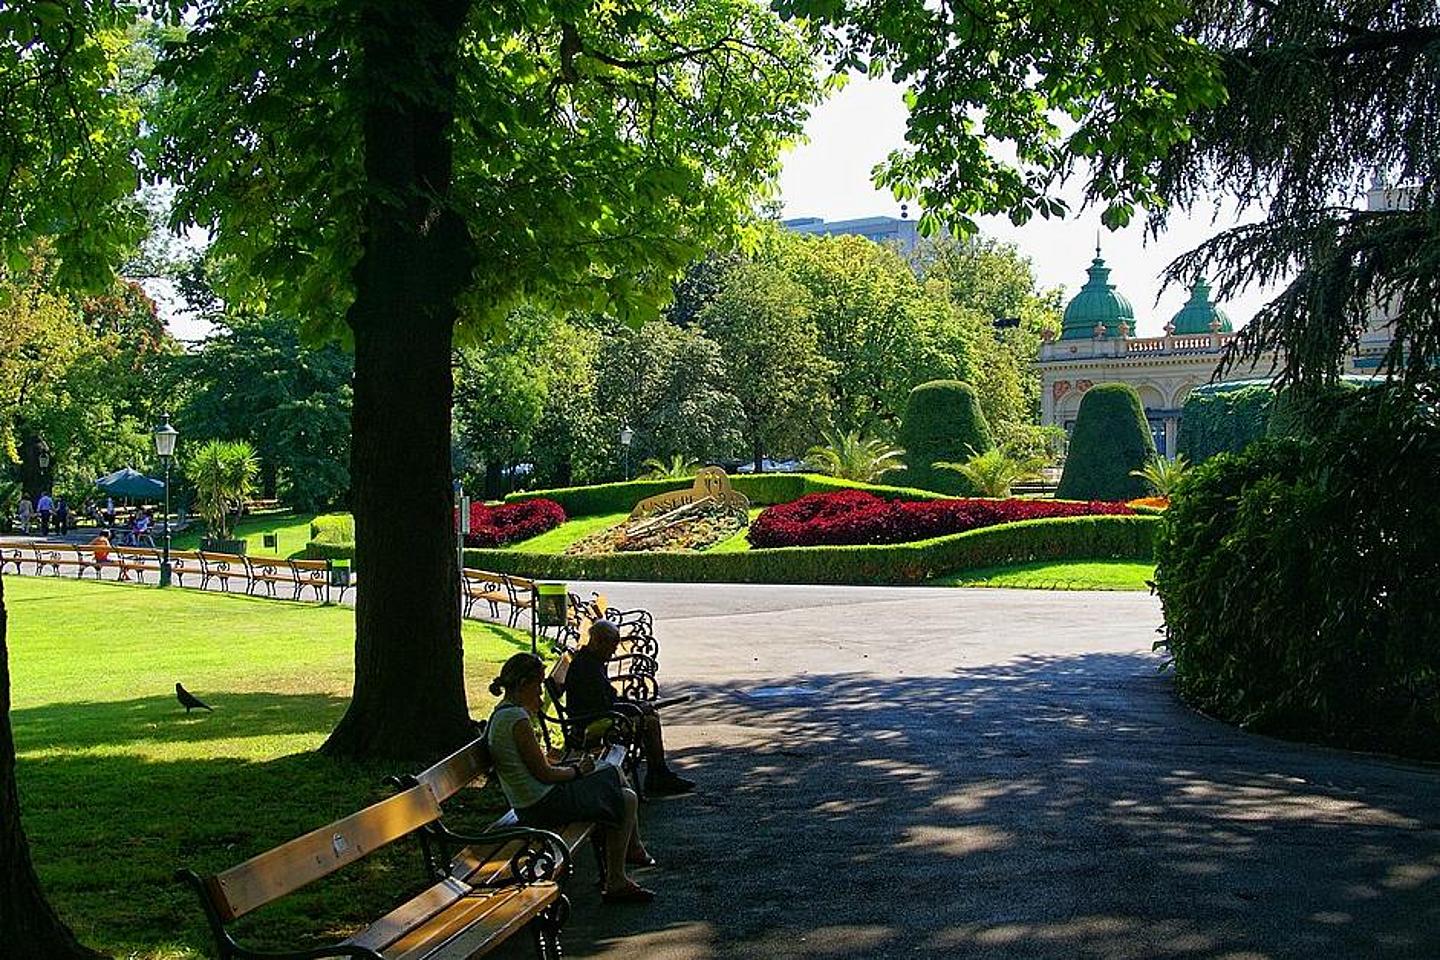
[(1097, 302), (1198, 312)]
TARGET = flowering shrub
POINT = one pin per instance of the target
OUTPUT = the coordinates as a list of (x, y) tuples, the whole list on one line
[(853, 517), (497, 526), (1155, 503)]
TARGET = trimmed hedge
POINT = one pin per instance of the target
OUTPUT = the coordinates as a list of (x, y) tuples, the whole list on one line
[(1298, 578), (943, 423), (856, 517), (763, 490), (1111, 439), (1066, 538), (332, 537), (1223, 419)]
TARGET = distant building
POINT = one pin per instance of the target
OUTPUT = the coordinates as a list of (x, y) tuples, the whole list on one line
[(1097, 344), (879, 229)]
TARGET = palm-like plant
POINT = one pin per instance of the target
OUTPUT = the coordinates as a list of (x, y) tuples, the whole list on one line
[(994, 472), (678, 468), (1163, 474), (223, 473), (851, 456)]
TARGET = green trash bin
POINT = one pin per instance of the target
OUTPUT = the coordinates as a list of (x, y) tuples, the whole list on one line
[(551, 606)]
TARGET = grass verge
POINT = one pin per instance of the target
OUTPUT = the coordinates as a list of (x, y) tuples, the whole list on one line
[(1064, 575), (293, 530), (119, 786)]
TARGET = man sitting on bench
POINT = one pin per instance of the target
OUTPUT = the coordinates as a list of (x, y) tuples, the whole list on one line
[(588, 690)]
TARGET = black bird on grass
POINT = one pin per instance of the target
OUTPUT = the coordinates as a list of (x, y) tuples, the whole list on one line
[(189, 701)]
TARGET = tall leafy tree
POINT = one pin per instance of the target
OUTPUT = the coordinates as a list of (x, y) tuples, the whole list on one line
[(1297, 105), (388, 170), (66, 134), (774, 366), (882, 329), (254, 380)]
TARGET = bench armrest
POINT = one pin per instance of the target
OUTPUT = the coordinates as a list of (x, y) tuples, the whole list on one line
[(633, 663), (229, 947), (544, 855)]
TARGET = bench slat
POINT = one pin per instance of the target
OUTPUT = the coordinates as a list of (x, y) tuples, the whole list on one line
[(288, 867), (409, 915), (455, 772), (475, 926)]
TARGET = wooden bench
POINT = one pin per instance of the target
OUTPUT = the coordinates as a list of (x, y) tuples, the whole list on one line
[(142, 560), (637, 627), (451, 918), (481, 860), (494, 589), (57, 555), (295, 575), (15, 554), (222, 567)]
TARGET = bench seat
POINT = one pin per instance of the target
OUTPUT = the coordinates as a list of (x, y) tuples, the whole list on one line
[(455, 921)]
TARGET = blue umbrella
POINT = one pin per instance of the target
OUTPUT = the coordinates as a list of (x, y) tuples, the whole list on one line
[(130, 483)]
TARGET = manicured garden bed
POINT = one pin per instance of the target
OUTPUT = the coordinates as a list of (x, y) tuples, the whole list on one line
[(1064, 538), (858, 517)]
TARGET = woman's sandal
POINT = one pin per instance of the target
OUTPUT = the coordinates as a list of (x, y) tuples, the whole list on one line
[(639, 860), (634, 893)]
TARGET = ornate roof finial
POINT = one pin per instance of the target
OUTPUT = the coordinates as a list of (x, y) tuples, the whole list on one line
[(1097, 244)]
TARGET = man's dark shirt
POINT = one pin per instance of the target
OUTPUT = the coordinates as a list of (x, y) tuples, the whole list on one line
[(587, 687)]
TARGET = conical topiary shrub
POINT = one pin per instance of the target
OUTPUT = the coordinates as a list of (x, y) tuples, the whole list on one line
[(943, 424), (1111, 438)]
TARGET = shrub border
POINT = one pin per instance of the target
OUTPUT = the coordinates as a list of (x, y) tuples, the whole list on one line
[(1057, 538)]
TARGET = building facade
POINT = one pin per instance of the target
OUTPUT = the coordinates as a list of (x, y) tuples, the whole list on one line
[(1097, 344), (887, 230)]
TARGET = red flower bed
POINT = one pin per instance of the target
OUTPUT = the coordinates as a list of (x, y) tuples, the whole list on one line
[(853, 516), (497, 526)]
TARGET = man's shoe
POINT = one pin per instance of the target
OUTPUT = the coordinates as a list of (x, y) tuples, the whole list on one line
[(667, 784)]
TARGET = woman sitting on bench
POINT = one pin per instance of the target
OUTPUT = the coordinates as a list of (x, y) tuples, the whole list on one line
[(549, 796)]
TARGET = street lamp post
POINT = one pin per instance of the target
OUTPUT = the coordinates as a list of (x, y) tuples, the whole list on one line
[(626, 435), (165, 437)]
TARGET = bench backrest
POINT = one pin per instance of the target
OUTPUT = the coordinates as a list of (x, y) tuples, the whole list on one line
[(319, 853), (457, 771)]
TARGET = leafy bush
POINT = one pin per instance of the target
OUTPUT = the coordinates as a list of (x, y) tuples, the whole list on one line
[(223, 473), (994, 472), (1064, 538), (333, 528), (851, 456), (1298, 578), (1163, 475), (1223, 418), (1111, 439), (762, 489), (339, 550), (678, 467), (853, 517), (943, 424), (512, 522)]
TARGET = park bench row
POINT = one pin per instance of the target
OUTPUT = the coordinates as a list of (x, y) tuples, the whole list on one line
[(478, 890), (272, 575)]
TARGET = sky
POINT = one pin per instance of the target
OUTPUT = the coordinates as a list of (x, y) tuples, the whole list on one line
[(858, 127)]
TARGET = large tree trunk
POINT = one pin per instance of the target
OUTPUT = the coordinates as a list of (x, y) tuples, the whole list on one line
[(29, 926), (409, 699)]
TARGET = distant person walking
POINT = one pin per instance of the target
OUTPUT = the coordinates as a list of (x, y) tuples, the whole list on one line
[(62, 516), (45, 506), (27, 510)]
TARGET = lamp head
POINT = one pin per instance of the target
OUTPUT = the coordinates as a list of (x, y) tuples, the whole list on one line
[(165, 437)]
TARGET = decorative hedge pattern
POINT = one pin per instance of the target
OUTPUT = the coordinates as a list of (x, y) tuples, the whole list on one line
[(1062, 538), (764, 489), (511, 522), (855, 517)]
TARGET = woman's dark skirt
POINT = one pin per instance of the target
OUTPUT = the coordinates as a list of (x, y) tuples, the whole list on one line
[(597, 797)]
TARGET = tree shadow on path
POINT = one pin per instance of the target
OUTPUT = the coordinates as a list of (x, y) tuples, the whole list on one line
[(1049, 807)]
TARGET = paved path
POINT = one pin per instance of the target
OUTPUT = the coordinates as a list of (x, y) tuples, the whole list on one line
[(955, 773)]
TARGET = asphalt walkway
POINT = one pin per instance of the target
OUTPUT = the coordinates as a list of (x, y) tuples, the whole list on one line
[(894, 772)]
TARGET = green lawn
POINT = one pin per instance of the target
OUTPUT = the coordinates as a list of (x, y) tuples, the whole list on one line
[(1058, 575), (119, 787), (293, 528)]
